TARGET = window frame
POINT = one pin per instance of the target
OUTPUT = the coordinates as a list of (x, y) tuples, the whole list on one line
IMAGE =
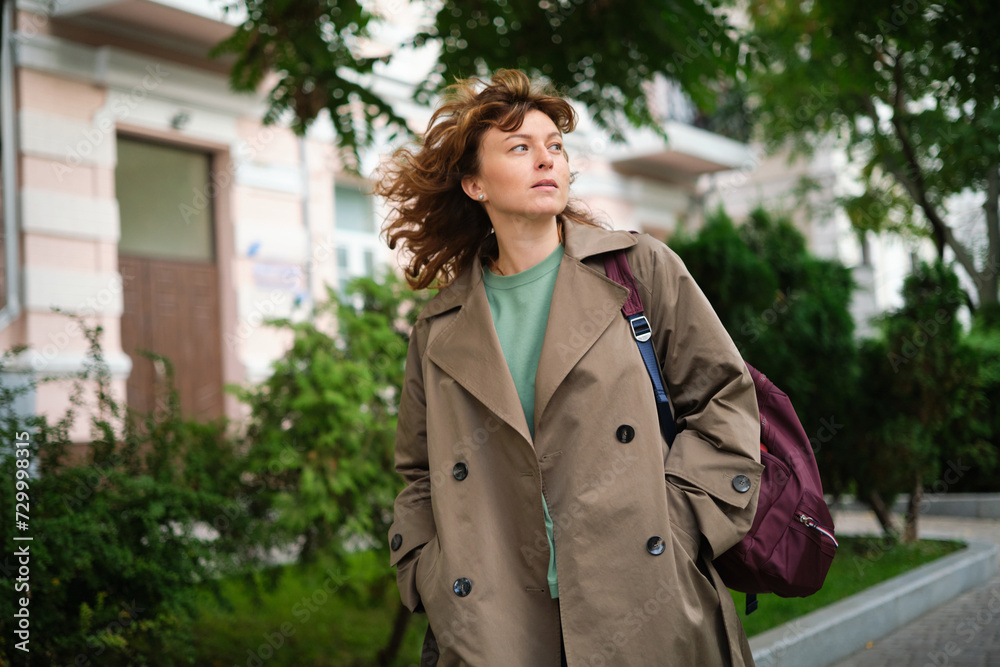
[(8, 154)]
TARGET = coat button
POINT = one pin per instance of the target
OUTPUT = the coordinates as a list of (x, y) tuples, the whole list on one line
[(741, 483), (655, 545), (625, 433), (462, 586), (397, 541), (460, 471)]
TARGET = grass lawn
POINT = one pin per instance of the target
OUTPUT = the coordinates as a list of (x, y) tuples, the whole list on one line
[(861, 562), (316, 616), (321, 617)]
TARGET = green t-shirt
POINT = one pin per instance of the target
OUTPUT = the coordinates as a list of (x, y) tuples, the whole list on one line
[(520, 307)]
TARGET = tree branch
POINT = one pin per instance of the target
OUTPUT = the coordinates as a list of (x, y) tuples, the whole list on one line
[(897, 79), (898, 109), (988, 292), (917, 189)]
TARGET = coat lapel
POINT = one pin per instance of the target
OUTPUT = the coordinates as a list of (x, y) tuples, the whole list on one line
[(469, 349), (584, 303)]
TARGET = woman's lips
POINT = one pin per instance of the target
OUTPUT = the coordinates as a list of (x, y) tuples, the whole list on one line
[(546, 185)]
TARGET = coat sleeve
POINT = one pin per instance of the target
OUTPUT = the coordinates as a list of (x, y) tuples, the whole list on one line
[(713, 399), (413, 520)]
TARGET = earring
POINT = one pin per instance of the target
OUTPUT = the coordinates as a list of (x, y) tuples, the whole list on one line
[(481, 197)]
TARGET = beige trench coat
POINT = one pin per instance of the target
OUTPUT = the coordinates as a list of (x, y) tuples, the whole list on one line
[(468, 537)]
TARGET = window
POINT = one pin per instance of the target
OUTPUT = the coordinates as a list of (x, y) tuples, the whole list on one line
[(343, 269), (356, 234), (163, 202), (353, 210)]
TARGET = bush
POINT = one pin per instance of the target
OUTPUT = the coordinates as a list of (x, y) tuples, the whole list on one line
[(983, 454), (115, 558), (788, 313), (322, 432), (322, 427), (128, 541), (974, 459)]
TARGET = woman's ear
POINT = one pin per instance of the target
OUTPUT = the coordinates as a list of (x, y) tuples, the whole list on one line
[(472, 188)]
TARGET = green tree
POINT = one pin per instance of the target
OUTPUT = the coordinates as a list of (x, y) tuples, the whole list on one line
[(787, 312), (322, 428), (600, 53), (912, 89), (919, 402)]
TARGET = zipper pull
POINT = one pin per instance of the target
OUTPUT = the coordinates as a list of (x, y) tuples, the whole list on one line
[(811, 523)]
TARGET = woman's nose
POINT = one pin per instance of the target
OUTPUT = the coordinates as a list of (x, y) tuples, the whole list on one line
[(545, 162)]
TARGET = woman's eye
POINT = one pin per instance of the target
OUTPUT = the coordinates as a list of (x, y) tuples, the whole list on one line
[(556, 147), (518, 148)]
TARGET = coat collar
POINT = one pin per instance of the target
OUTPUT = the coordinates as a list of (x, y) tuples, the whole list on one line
[(584, 303), (579, 241)]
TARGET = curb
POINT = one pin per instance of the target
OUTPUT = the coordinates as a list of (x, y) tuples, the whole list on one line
[(968, 505), (834, 632)]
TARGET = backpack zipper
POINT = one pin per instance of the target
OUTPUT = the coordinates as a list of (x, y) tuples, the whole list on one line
[(811, 523)]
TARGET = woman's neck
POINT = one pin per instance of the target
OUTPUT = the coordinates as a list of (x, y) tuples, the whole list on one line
[(523, 246)]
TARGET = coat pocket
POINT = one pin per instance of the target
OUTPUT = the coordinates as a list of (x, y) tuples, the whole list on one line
[(683, 522), (425, 566)]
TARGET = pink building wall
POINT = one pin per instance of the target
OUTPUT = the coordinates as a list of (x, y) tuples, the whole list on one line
[(68, 127)]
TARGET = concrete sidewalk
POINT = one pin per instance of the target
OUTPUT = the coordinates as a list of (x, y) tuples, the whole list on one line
[(964, 632)]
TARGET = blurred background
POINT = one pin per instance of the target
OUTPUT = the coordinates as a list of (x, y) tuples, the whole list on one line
[(204, 332)]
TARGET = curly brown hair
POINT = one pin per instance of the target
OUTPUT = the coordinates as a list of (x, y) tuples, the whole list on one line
[(432, 216)]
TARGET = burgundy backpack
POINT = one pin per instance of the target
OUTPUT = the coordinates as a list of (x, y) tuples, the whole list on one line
[(791, 544)]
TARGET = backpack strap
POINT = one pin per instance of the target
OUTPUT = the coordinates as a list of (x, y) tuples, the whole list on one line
[(617, 268)]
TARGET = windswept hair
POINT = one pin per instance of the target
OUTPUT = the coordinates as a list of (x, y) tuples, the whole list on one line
[(433, 218)]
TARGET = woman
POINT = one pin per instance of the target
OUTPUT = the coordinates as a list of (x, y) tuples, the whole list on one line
[(536, 526)]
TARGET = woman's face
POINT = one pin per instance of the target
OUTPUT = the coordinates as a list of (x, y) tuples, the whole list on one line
[(523, 174)]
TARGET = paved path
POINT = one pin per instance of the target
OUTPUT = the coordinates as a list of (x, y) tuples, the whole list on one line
[(964, 632)]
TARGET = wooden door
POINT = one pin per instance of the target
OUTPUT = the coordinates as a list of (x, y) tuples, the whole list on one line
[(172, 309), (170, 277)]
